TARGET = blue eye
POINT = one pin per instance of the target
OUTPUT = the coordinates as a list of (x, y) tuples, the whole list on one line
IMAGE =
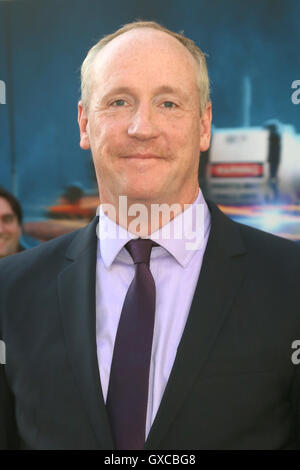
[(168, 104), (119, 103)]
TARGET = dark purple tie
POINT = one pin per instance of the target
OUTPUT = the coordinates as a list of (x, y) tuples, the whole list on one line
[(129, 375)]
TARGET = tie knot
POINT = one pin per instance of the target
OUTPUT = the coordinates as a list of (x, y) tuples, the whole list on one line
[(140, 250)]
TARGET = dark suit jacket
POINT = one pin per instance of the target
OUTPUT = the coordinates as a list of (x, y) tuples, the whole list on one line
[(233, 384)]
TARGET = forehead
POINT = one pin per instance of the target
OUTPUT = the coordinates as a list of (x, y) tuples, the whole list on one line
[(5, 207), (147, 56)]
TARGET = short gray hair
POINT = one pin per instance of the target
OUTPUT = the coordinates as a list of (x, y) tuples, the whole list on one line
[(199, 56)]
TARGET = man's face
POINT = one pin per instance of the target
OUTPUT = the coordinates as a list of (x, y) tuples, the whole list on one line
[(10, 230), (143, 124)]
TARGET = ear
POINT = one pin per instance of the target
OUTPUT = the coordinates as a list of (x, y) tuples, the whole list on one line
[(83, 122), (205, 131)]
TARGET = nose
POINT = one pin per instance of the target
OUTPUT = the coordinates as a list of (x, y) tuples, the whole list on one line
[(142, 125), (1, 226)]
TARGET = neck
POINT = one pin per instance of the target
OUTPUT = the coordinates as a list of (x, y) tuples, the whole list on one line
[(143, 217)]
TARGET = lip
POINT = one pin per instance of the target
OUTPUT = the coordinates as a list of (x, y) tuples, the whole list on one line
[(142, 156)]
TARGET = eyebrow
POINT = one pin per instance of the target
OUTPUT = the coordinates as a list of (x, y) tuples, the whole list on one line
[(173, 90), (8, 214), (158, 91)]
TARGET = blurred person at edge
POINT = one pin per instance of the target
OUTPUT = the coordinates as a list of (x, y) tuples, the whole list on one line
[(221, 373), (10, 224)]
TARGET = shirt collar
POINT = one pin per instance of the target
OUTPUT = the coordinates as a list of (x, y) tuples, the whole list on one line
[(179, 238)]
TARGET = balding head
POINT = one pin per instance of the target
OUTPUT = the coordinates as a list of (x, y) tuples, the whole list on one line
[(133, 35)]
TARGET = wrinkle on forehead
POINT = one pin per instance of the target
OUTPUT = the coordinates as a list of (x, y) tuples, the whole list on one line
[(139, 47)]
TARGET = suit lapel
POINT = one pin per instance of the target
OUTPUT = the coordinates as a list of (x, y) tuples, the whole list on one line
[(76, 288), (221, 277), (219, 281)]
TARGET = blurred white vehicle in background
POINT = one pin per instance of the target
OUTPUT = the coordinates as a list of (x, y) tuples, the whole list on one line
[(253, 165)]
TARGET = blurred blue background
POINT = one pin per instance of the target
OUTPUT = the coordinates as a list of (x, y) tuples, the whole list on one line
[(42, 45)]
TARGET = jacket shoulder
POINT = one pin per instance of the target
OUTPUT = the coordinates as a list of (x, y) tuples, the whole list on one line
[(269, 243), (274, 256), (48, 255)]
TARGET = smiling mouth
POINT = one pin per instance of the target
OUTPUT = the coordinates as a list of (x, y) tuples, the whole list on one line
[(142, 156)]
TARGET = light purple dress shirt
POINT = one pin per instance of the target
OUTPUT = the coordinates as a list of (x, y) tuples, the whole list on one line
[(175, 266)]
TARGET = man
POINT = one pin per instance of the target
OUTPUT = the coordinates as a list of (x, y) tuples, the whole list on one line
[(190, 350), (10, 224)]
